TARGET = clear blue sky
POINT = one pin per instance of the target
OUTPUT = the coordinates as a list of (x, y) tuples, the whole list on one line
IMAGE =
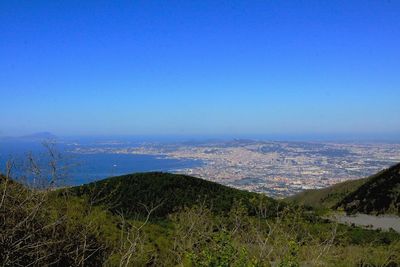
[(200, 67)]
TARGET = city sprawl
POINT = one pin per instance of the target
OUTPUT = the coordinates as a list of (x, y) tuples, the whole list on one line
[(275, 168)]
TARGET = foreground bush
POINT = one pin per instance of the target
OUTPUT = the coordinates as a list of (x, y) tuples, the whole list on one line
[(48, 227)]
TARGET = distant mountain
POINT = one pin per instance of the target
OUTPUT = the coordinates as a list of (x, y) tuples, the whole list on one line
[(379, 194), (40, 136), (130, 193)]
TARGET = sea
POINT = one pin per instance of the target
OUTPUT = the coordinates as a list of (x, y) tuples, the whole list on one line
[(76, 169)]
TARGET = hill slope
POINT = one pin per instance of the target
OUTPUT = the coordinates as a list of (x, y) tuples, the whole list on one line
[(378, 195), (131, 193), (327, 197), (71, 230)]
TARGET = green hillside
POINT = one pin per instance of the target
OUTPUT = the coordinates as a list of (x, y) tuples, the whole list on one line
[(378, 195), (132, 193), (194, 223), (326, 197)]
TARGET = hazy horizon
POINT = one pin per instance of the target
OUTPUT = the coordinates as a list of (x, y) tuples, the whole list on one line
[(349, 137)]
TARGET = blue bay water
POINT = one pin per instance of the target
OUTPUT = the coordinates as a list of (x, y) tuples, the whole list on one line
[(83, 168), (89, 167)]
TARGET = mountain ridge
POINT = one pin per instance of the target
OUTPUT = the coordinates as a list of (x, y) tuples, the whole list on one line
[(192, 222), (379, 194), (170, 192), (376, 194)]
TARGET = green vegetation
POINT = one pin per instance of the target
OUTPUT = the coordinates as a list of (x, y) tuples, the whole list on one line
[(380, 194), (132, 194), (377, 194), (326, 198), (37, 229), (161, 219)]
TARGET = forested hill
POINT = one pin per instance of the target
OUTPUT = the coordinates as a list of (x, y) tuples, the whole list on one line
[(378, 195), (195, 223), (133, 193), (326, 198)]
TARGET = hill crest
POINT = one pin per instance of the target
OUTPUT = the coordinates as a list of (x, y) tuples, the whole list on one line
[(170, 192)]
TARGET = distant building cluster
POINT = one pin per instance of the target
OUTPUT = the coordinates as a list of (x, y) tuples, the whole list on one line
[(276, 168)]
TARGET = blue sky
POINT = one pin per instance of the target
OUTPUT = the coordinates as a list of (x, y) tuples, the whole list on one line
[(200, 67)]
